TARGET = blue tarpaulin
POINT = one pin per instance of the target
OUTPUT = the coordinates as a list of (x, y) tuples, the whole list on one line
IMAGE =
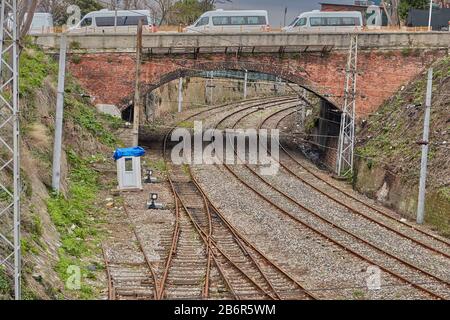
[(129, 152)]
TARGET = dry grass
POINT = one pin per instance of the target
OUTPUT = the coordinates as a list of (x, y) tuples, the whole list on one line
[(38, 136)]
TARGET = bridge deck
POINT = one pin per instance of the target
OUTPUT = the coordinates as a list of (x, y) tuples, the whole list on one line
[(163, 43)]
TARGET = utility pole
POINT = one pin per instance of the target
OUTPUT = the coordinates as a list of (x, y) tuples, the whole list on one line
[(430, 15), (10, 189), (347, 132), (115, 15), (137, 93), (245, 83), (180, 95), (210, 86), (56, 176), (278, 83), (303, 109), (425, 144)]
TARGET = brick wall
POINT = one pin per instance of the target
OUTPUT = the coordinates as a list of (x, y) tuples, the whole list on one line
[(109, 78)]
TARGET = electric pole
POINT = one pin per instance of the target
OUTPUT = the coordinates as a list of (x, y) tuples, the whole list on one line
[(56, 176), (245, 83), (210, 86), (137, 94), (425, 145), (430, 16), (10, 185), (180, 95), (347, 133), (115, 18), (302, 109)]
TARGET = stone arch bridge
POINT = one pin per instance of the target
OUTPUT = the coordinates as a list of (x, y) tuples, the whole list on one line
[(105, 64), (109, 78)]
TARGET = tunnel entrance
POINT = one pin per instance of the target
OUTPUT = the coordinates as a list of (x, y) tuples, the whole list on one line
[(317, 135), (128, 113)]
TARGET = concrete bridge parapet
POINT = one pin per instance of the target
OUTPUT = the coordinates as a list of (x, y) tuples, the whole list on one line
[(272, 42)]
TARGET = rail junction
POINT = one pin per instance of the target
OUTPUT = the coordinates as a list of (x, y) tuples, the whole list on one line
[(302, 222)]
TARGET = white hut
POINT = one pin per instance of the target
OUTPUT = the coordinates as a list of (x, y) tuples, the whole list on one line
[(129, 172)]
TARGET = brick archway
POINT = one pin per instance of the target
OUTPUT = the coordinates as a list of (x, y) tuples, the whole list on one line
[(110, 77), (194, 69)]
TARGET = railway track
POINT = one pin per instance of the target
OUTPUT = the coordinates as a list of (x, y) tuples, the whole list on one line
[(197, 215), (332, 192), (245, 271), (136, 278), (409, 278), (206, 257), (189, 271), (129, 280), (280, 283), (170, 242)]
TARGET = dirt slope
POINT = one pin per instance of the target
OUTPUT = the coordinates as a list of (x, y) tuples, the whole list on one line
[(59, 231)]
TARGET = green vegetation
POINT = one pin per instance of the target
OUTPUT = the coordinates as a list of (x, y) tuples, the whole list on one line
[(186, 124), (159, 165), (358, 295), (391, 155), (86, 116), (4, 282), (186, 169), (406, 52), (74, 45), (5, 196), (34, 68), (113, 122), (312, 121), (33, 230), (27, 246), (87, 6), (75, 217), (438, 208), (76, 59), (75, 214), (445, 193), (186, 11), (391, 131), (405, 5)]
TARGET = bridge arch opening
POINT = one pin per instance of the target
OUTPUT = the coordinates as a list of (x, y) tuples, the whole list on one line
[(318, 143), (221, 68)]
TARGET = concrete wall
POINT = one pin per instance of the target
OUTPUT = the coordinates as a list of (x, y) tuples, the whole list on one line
[(399, 194), (255, 42)]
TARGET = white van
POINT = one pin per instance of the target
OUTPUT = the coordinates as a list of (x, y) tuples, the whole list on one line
[(108, 20), (231, 21), (339, 21)]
